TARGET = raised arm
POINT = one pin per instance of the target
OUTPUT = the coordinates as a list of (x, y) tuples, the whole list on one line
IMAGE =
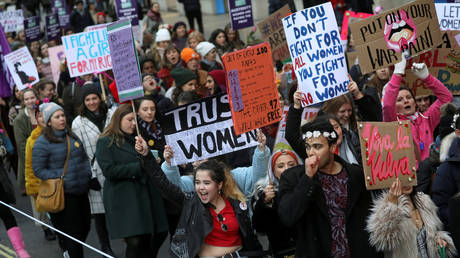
[(293, 135)]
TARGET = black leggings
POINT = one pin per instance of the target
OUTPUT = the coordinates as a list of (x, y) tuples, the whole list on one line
[(7, 216), (144, 246), (191, 16)]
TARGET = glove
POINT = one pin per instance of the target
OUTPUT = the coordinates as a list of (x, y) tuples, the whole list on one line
[(94, 184), (420, 70), (400, 68)]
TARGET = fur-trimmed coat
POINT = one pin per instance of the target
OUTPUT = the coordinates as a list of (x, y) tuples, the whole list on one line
[(393, 231)]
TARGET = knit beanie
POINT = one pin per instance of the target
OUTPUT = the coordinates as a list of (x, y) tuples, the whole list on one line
[(219, 77), (182, 76), (162, 35), (204, 47), (48, 110), (177, 24), (188, 54), (89, 88)]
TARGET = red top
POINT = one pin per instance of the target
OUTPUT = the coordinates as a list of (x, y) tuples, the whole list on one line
[(217, 237)]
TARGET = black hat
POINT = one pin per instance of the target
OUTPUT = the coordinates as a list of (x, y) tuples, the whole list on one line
[(182, 76), (89, 88)]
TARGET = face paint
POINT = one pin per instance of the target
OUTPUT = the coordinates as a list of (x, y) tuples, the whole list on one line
[(399, 31)]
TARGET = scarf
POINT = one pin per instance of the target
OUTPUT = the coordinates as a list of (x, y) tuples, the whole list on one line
[(130, 138), (154, 16), (150, 131), (96, 118)]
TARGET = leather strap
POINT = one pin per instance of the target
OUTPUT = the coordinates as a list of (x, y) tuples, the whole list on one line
[(66, 157)]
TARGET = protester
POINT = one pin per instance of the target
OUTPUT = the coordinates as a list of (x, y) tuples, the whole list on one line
[(233, 37), (185, 80), (80, 17), (162, 40), (222, 225), (333, 225), (191, 61), (192, 10), (404, 223), (14, 104), (71, 96), (194, 38), (57, 150), (171, 60), (23, 125), (88, 125), (265, 203), (179, 36), (134, 208), (147, 65), (46, 89), (342, 108), (399, 104), (210, 60), (423, 102), (219, 39), (153, 19)]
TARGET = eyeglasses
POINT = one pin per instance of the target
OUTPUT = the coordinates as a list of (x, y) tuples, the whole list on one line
[(220, 218)]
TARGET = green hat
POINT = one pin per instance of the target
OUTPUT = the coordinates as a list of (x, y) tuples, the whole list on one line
[(182, 76)]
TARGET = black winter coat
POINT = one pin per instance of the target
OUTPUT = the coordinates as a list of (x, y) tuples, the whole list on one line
[(195, 221), (303, 206)]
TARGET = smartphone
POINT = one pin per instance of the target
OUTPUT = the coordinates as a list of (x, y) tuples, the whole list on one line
[(155, 153)]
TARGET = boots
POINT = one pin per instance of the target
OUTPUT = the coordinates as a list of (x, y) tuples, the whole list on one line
[(15, 236)]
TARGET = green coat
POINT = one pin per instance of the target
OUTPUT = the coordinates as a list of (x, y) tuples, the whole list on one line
[(22, 128), (132, 205)]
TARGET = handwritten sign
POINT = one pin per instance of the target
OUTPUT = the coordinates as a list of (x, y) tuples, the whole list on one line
[(203, 129), (448, 15), (32, 29), (53, 30), (87, 52), (125, 61), (443, 63), (22, 67), (387, 150), (240, 14), (318, 56), (252, 90), (11, 21), (348, 17), (60, 8), (381, 38), (271, 29), (57, 56)]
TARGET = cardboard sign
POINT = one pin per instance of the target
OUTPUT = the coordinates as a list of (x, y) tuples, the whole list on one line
[(271, 29), (240, 14), (317, 54), (448, 15), (348, 17), (351, 58), (32, 29), (53, 30), (127, 9), (60, 8), (87, 52), (443, 63), (281, 143), (12, 21), (251, 85), (387, 150), (57, 56), (125, 61), (380, 39), (22, 67), (203, 129)]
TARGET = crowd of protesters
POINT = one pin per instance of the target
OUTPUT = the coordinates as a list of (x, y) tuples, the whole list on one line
[(309, 201)]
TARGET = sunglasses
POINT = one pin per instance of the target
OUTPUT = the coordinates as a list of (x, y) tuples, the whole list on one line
[(220, 218)]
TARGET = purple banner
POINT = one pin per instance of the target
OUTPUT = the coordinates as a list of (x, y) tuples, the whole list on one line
[(53, 30), (127, 9), (240, 14), (6, 80), (60, 8), (32, 29)]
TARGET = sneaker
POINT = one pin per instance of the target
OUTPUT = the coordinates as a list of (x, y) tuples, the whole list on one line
[(49, 234), (66, 254)]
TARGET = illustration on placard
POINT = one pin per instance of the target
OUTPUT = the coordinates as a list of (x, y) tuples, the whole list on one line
[(400, 31)]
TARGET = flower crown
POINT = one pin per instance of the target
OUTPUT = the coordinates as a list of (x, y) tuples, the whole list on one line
[(454, 121), (316, 134)]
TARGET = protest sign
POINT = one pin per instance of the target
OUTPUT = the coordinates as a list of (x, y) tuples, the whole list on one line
[(6, 80), (22, 67), (87, 52), (12, 21), (57, 56), (448, 15), (125, 61), (380, 39), (351, 58), (317, 54), (127, 9), (32, 29), (349, 17), (443, 62), (60, 8), (388, 153), (240, 14), (252, 91), (272, 31), (203, 129), (53, 30), (281, 143)]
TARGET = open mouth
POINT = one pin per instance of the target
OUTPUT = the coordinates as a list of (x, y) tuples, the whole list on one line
[(401, 30), (400, 33), (203, 196), (408, 108)]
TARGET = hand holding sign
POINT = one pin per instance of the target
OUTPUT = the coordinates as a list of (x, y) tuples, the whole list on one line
[(311, 166), (269, 192), (420, 70), (395, 191), (297, 99), (168, 154), (353, 88), (261, 139), (141, 146)]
